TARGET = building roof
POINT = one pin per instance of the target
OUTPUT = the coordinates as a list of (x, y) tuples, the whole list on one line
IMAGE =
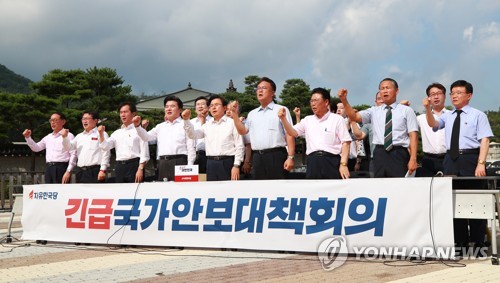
[(187, 96)]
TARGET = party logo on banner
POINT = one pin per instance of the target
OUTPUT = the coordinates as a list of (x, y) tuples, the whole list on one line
[(43, 195)]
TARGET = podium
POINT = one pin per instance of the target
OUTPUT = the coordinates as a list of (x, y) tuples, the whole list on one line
[(474, 203)]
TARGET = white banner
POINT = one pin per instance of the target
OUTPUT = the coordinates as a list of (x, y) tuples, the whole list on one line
[(295, 215)]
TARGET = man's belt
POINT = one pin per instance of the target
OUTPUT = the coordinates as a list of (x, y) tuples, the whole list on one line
[(123, 162), (393, 147), (220, 157), (56, 163), (170, 157), (85, 168), (322, 153), (268, 150), (467, 151), (433, 155)]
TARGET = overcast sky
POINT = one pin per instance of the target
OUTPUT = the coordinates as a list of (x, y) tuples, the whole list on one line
[(161, 45)]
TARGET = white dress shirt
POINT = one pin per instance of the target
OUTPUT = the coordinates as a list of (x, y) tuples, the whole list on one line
[(171, 139), (326, 133), (433, 142), (55, 151), (221, 138), (200, 143), (87, 149), (127, 144)]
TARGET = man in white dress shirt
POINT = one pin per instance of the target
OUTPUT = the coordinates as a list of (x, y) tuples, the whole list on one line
[(433, 142), (59, 161), (173, 145), (201, 108), (327, 138), (132, 153), (92, 160), (223, 144)]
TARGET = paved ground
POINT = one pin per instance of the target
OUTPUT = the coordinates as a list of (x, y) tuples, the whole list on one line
[(26, 261)]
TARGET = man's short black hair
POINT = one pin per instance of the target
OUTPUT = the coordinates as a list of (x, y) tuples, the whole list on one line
[(394, 82), (173, 98), (224, 102), (436, 85), (464, 83), (325, 94), (131, 106), (266, 79)]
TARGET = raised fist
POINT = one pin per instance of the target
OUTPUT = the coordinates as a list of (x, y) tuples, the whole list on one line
[(186, 114), (342, 93), (64, 132), (136, 120), (282, 113), (27, 133), (296, 110), (426, 102)]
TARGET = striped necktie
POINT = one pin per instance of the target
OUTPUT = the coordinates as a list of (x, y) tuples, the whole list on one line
[(388, 129)]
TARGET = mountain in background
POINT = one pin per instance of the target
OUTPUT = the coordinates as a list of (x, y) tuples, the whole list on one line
[(13, 83)]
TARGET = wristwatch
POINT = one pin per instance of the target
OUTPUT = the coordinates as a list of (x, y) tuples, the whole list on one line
[(482, 162), (236, 165), (292, 157), (342, 163)]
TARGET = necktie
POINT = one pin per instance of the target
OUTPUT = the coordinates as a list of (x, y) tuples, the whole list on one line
[(455, 134), (388, 129)]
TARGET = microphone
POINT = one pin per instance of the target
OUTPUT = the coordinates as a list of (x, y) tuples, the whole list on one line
[(100, 121)]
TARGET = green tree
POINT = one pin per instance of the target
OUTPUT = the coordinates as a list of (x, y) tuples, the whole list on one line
[(251, 84), (58, 82), (296, 93), (246, 102), (106, 90), (24, 111), (99, 89), (494, 119)]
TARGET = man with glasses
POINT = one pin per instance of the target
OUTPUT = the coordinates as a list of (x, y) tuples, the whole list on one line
[(59, 161), (433, 142), (273, 150), (223, 144), (172, 143), (132, 153), (201, 108), (92, 160), (467, 137), (327, 138), (394, 131)]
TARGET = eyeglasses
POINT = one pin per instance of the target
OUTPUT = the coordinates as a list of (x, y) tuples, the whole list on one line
[(54, 120), (436, 93), (214, 105), (87, 119), (262, 87), (457, 93), (314, 101)]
